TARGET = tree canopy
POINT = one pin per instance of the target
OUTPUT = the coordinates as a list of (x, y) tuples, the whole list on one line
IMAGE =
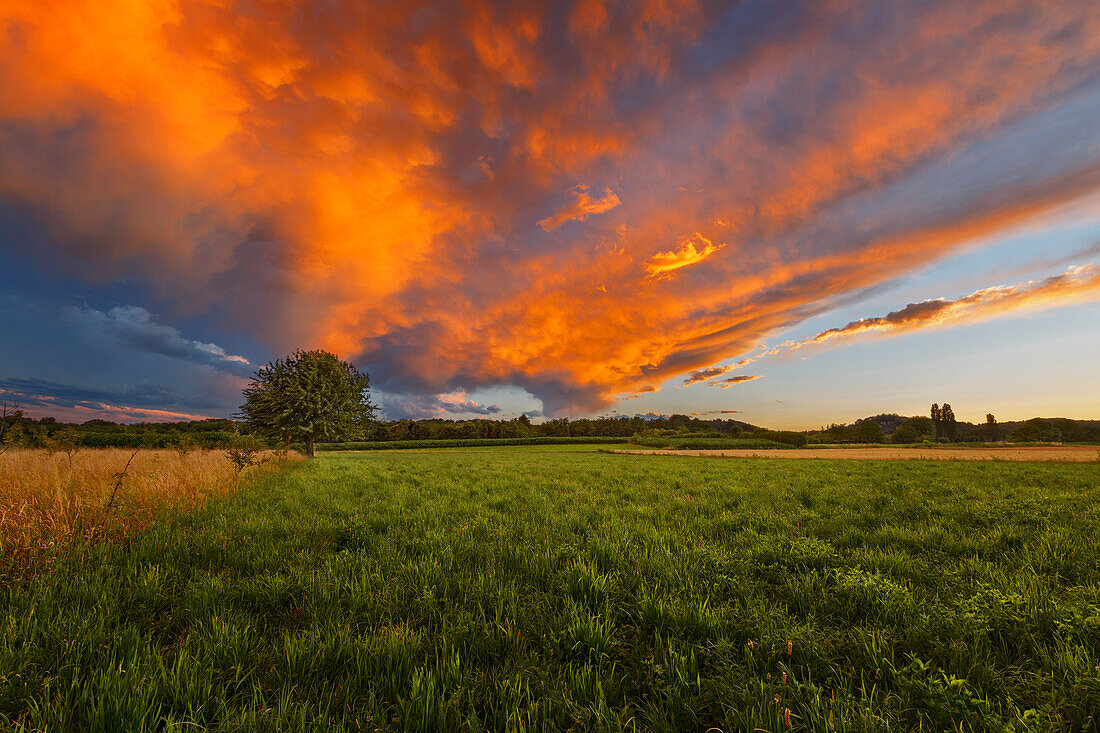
[(308, 396)]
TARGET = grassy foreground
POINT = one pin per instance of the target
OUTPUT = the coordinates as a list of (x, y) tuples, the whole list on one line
[(514, 590)]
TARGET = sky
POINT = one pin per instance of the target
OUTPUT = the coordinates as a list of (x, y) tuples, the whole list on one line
[(790, 213)]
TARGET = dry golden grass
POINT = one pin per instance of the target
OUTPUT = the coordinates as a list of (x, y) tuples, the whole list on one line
[(1063, 453), (51, 500)]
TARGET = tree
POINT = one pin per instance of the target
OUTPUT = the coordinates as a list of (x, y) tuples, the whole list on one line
[(869, 430), (905, 433), (244, 452), (307, 396), (13, 426), (937, 419), (991, 431), (10, 417), (1035, 430), (947, 422), (67, 440), (914, 430)]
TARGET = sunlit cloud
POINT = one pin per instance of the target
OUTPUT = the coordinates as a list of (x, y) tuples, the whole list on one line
[(582, 206), (1080, 283), (702, 375), (651, 415), (365, 178), (733, 381), (1077, 284), (451, 405), (692, 250)]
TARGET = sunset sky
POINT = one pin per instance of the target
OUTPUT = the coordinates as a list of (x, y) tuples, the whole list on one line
[(791, 213)]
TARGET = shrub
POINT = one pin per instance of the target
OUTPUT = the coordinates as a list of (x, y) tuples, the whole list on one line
[(244, 452)]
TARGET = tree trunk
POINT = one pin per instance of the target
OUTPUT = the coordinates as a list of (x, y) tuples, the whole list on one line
[(309, 445)]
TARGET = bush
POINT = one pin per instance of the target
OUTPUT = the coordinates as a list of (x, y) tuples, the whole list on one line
[(244, 452), (904, 434), (869, 430)]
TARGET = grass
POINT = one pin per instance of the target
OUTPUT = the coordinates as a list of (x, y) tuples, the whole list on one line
[(510, 589), (51, 501)]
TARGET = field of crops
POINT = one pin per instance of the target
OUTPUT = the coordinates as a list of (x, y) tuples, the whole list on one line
[(518, 589)]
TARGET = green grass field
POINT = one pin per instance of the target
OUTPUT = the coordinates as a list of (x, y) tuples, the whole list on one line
[(519, 589)]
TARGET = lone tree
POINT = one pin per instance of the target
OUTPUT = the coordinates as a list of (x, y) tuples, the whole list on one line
[(306, 396)]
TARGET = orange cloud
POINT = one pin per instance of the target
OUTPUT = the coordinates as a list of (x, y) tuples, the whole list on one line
[(732, 381), (580, 208), (702, 375), (1077, 284), (663, 263), (364, 177)]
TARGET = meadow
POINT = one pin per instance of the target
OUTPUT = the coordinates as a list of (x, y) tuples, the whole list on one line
[(565, 589)]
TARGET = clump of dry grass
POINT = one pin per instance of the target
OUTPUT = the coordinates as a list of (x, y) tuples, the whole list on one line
[(51, 500)]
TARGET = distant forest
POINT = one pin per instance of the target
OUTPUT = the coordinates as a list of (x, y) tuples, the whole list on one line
[(939, 426)]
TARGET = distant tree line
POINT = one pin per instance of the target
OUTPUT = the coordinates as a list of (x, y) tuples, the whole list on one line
[(522, 427), (17, 429), (313, 396), (606, 427), (1055, 430), (941, 426)]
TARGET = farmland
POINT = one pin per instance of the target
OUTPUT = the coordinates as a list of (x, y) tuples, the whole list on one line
[(561, 588)]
